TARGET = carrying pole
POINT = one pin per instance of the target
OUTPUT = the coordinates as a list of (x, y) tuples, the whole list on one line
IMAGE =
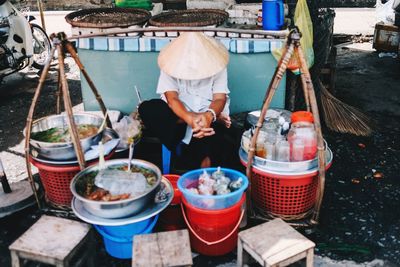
[(40, 7), (278, 75), (29, 122), (78, 62)]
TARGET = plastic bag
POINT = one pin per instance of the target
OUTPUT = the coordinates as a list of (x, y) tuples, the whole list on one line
[(302, 20), (128, 129), (385, 12), (119, 182)]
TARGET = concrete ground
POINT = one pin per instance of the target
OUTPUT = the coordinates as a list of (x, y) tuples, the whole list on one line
[(358, 223), (355, 21)]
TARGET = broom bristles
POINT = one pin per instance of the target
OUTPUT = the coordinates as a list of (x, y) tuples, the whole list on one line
[(343, 118)]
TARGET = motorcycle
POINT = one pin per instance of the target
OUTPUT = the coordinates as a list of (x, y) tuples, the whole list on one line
[(22, 43)]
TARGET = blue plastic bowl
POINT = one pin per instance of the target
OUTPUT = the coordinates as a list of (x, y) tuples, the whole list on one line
[(121, 247), (214, 202)]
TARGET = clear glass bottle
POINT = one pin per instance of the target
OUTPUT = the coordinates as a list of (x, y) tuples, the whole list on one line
[(302, 136)]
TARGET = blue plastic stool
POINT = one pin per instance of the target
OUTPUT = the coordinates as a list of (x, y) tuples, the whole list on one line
[(166, 158)]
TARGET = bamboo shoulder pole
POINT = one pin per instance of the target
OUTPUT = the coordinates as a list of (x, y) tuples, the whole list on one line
[(59, 93), (29, 122), (320, 140), (304, 86), (40, 7), (68, 108), (277, 77), (74, 55)]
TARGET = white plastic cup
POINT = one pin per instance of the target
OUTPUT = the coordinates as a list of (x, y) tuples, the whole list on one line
[(297, 150), (283, 151)]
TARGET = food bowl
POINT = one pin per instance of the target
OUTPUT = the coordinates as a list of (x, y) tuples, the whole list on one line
[(211, 202), (118, 208), (63, 150)]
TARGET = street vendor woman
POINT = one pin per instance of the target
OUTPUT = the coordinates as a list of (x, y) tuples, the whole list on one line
[(194, 104)]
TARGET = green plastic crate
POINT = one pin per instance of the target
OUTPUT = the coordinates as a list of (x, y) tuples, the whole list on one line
[(145, 4)]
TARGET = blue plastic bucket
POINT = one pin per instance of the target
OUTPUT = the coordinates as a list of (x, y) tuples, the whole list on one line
[(273, 15), (128, 229), (213, 202), (121, 247)]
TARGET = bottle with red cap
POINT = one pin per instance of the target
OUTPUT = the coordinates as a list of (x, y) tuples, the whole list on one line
[(302, 136)]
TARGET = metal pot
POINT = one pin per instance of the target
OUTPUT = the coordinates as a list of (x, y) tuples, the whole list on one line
[(63, 150), (120, 208)]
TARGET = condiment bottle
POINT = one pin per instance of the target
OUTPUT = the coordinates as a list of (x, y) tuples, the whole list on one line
[(271, 133), (260, 145), (302, 136)]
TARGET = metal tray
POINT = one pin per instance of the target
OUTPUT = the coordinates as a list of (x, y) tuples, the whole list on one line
[(292, 168), (151, 211), (107, 133)]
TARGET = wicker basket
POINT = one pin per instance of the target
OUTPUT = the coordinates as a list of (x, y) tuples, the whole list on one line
[(108, 17), (189, 18)]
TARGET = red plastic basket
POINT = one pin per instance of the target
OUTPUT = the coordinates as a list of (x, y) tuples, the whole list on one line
[(56, 180), (284, 194)]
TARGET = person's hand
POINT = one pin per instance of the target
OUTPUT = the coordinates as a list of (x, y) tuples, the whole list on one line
[(193, 120), (225, 120), (201, 124), (205, 119), (204, 132)]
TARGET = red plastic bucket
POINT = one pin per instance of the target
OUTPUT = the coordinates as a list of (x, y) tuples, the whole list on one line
[(213, 232), (171, 218), (173, 178)]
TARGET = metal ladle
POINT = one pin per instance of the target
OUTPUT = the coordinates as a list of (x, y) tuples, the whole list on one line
[(131, 149)]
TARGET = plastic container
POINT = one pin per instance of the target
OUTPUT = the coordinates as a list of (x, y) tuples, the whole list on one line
[(211, 202), (128, 229), (173, 178), (121, 246), (145, 4), (213, 232), (171, 218), (273, 15), (302, 135)]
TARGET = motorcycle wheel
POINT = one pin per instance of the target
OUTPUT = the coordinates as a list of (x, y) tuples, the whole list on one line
[(41, 47)]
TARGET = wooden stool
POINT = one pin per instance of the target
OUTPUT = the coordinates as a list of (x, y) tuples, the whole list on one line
[(53, 240), (274, 243), (162, 249)]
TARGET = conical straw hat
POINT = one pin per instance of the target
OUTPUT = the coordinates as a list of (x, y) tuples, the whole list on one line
[(193, 56)]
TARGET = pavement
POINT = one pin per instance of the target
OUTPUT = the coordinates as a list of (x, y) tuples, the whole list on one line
[(355, 21), (359, 225)]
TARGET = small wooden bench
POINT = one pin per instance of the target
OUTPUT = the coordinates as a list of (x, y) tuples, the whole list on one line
[(162, 249), (274, 243), (54, 241)]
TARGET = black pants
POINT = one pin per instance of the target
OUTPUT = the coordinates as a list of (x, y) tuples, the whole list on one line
[(160, 121)]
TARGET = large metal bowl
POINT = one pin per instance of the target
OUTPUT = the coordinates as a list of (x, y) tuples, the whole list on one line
[(120, 208), (63, 150)]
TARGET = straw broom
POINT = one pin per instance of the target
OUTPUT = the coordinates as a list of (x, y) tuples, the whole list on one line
[(341, 117)]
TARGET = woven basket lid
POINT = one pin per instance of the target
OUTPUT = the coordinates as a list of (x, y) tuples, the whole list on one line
[(193, 56), (189, 18), (108, 17)]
